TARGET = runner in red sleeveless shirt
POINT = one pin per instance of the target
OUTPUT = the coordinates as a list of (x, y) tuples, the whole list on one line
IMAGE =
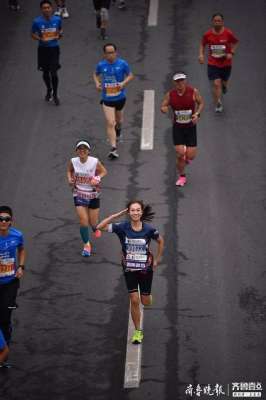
[(187, 104), (222, 44)]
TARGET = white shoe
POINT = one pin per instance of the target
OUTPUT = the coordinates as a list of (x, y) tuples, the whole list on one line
[(65, 13), (58, 12)]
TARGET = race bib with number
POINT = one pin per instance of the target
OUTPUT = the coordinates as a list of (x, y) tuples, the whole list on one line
[(85, 195), (49, 34), (7, 267), (183, 116), (218, 50), (112, 89)]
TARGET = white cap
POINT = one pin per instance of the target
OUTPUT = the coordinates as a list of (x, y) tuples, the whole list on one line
[(83, 143), (179, 75)]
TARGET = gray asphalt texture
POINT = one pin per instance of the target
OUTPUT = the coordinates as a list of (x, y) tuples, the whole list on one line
[(208, 321)]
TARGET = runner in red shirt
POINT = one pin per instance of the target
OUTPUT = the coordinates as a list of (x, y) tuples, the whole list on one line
[(187, 104), (222, 44)]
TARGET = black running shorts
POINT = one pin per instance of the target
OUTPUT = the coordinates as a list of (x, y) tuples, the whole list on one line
[(93, 204), (118, 105), (185, 136), (98, 4), (139, 279), (218, 73), (48, 58)]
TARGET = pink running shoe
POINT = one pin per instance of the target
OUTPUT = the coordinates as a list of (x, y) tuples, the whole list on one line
[(181, 181), (97, 233)]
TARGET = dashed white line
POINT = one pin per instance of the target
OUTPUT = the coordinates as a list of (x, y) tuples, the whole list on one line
[(132, 376), (147, 130), (153, 13)]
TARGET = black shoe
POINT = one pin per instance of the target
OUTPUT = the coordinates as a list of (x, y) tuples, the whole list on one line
[(113, 155), (6, 365), (103, 34), (48, 96), (56, 100), (122, 5)]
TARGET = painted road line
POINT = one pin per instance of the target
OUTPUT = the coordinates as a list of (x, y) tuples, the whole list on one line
[(147, 130), (153, 13), (133, 357)]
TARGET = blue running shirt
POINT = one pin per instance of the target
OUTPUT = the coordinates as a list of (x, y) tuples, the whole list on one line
[(48, 30), (112, 74), (8, 254), (135, 245), (2, 341)]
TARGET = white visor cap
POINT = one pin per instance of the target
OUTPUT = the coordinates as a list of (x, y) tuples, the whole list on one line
[(83, 143), (179, 76)]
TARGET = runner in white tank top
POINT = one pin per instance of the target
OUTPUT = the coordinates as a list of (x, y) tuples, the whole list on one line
[(84, 174)]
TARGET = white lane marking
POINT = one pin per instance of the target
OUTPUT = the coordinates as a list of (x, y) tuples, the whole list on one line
[(153, 13), (133, 356), (147, 130)]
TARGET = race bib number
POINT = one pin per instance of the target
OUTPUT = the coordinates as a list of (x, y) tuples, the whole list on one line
[(50, 34), (112, 89), (7, 268), (183, 116), (218, 50)]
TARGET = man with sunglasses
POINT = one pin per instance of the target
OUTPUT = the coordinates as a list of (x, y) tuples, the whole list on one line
[(12, 261)]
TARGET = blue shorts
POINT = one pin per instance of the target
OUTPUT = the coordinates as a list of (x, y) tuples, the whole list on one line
[(2, 341), (92, 203), (219, 73)]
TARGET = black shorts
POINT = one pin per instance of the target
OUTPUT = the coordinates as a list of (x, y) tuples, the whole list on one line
[(98, 4), (93, 203), (118, 105), (139, 280), (186, 136), (48, 58), (219, 73)]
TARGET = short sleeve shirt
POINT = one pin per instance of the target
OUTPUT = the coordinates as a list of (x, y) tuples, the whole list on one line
[(8, 254), (2, 341), (48, 30), (135, 245), (112, 74), (219, 45)]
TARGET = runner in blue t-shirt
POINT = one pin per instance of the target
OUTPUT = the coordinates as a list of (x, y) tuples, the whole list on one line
[(111, 76), (12, 261), (137, 260), (47, 29)]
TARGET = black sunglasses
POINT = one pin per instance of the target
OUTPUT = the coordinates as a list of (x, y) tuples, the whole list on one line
[(5, 219)]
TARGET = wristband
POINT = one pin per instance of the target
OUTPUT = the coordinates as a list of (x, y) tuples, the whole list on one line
[(22, 267), (97, 178)]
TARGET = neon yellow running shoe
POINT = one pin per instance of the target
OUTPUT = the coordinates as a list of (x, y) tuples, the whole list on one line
[(137, 337)]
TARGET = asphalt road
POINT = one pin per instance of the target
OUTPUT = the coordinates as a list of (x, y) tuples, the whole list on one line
[(208, 321)]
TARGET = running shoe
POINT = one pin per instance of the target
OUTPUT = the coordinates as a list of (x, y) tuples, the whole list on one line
[(65, 13), (58, 12), (48, 96), (56, 100), (181, 181), (137, 337), (86, 252), (5, 364), (113, 154), (219, 107), (122, 5), (224, 89), (97, 233)]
